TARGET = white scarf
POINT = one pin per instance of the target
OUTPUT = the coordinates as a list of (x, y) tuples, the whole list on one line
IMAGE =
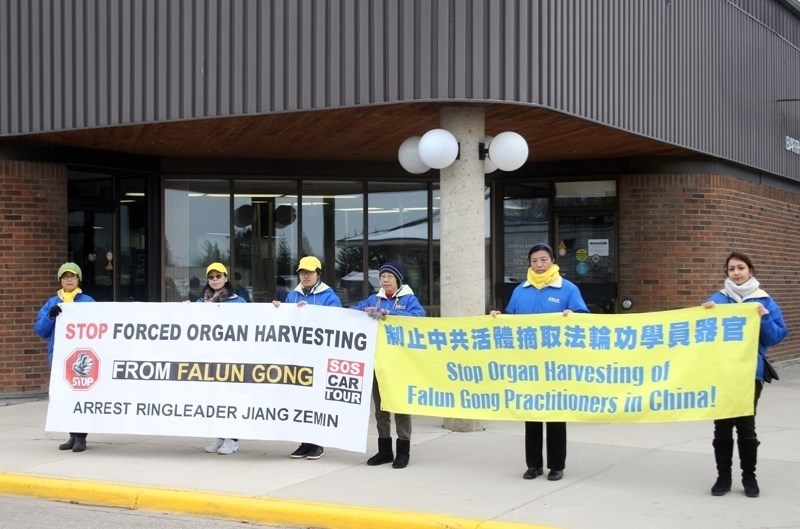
[(748, 289)]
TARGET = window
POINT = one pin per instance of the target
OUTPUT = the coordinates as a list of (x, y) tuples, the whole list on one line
[(265, 227), (197, 232)]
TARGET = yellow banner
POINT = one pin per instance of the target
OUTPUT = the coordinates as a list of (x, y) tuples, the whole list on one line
[(680, 365)]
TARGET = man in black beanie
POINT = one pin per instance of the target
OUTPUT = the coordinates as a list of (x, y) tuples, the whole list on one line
[(393, 267), (393, 298)]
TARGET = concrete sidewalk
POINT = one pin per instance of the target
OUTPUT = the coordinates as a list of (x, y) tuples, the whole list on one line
[(622, 476)]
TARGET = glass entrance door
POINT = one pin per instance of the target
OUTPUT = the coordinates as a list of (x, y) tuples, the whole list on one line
[(107, 235), (586, 249), (525, 221), (91, 245)]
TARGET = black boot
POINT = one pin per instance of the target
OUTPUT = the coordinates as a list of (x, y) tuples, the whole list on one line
[(403, 449), (80, 442), (68, 444), (723, 454), (384, 455), (748, 454)]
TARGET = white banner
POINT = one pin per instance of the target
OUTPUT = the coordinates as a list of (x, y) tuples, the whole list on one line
[(237, 370)]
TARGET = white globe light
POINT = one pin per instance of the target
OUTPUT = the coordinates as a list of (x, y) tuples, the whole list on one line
[(488, 166), (508, 151), (408, 155), (438, 148)]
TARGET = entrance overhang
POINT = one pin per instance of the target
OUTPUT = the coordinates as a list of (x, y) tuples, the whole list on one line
[(370, 133)]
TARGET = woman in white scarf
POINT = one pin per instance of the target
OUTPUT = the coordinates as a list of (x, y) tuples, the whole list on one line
[(741, 287)]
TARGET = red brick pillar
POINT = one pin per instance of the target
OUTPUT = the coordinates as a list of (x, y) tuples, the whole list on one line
[(33, 244)]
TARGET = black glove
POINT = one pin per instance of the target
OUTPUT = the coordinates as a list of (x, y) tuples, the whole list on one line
[(54, 312)]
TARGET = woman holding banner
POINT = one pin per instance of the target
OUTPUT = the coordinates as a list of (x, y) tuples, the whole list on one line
[(741, 287), (545, 291), (70, 276), (219, 289), (310, 290), (393, 298)]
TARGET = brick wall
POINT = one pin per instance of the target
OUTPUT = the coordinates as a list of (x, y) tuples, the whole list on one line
[(675, 231), (33, 244)]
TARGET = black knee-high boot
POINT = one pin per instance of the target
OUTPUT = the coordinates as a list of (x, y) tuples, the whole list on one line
[(723, 454), (68, 444), (384, 455), (403, 453), (748, 455), (80, 442)]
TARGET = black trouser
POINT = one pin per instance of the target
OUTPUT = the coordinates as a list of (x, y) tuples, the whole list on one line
[(745, 425), (556, 445)]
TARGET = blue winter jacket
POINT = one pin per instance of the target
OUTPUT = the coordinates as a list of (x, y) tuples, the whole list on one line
[(556, 297), (403, 303), (320, 294), (773, 328), (44, 326)]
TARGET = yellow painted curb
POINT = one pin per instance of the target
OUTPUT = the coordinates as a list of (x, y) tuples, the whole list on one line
[(232, 507)]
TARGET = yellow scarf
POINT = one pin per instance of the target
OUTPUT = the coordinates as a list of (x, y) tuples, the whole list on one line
[(542, 280), (68, 297)]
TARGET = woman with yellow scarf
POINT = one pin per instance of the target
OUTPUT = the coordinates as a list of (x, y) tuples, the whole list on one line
[(70, 276), (545, 291)]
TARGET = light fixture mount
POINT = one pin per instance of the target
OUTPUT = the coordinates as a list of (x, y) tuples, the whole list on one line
[(483, 151), (438, 148)]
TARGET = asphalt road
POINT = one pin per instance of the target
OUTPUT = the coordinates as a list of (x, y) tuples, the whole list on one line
[(26, 513)]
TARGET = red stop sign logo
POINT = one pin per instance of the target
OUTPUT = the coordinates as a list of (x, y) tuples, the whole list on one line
[(81, 369)]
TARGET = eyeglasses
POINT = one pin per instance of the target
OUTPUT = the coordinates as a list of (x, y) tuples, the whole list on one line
[(69, 277), (306, 273), (215, 276)]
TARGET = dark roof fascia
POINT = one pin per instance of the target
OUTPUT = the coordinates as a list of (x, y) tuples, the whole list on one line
[(76, 157), (793, 6)]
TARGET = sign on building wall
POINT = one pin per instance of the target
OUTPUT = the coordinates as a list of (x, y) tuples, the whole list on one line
[(792, 145)]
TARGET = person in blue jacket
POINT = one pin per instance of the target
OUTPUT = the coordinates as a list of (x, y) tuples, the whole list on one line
[(219, 289), (70, 277), (240, 289), (310, 290), (742, 287), (394, 298), (545, 291)]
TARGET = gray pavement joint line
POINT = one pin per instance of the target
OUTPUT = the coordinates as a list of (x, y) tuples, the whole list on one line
[(240, 508)]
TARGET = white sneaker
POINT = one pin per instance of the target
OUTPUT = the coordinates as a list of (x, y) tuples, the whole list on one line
[(215, 445), (228, 447)]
